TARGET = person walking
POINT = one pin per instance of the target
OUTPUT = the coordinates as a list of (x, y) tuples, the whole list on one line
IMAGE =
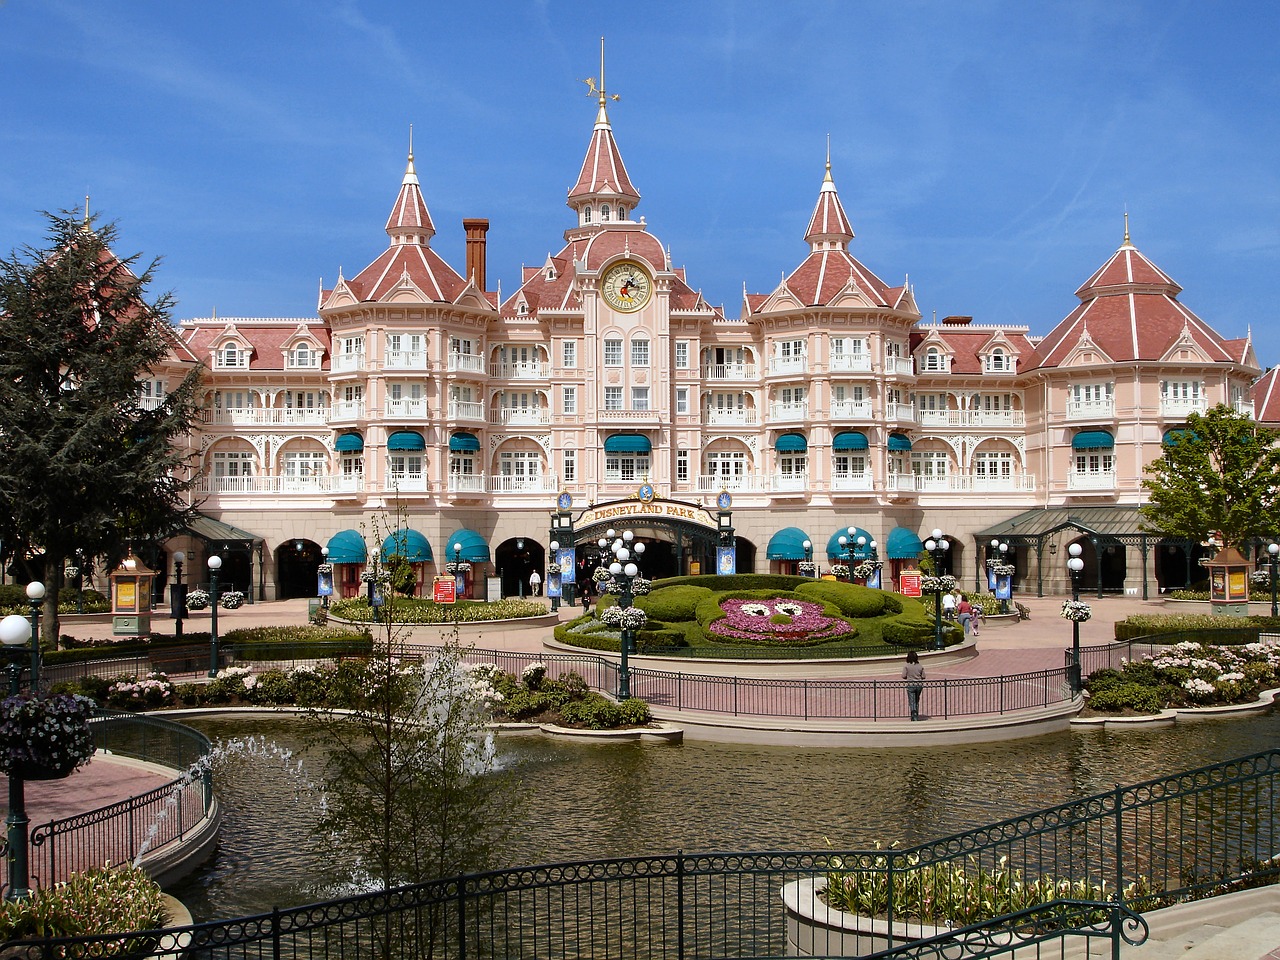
[(535, 584), (913, 673), (964, 611)]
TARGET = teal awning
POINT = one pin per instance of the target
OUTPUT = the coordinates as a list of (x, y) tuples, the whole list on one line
[(833, 545), (1178, 433), (409, 544), (791, 443), (475, 549), (903, 544), (850, 440), (626, 443), (406, 440), (349, 443), (787, 544), (464, 441), (1092, 440), (346, 546), (899, 442)]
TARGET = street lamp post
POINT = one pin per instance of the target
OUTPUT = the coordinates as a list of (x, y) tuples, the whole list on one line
[(846, 554), (808, 557), (555, 564), (15, 631), (178, 592), (1000, 552), (35, 596), (1273, 554), (215, 564), (624, 572), (937, 545), (1075, 564), (324, 560), (375, 588)]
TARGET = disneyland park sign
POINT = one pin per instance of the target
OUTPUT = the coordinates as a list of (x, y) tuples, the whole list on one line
[(670, 510)]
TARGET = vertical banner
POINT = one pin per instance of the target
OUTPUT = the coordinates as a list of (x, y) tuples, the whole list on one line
[(324, 584), (1004, 588), (991, 579), (568, 571), (726, 561), (873, 581), (553, 584)]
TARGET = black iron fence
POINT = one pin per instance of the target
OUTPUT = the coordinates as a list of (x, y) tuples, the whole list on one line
[(1192, 835), (123, 831), (1115, 655)]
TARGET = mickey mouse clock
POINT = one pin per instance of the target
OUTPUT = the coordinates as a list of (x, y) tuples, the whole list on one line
[(626, 286)]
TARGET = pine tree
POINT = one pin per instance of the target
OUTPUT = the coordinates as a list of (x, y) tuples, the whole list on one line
[(86, 467)]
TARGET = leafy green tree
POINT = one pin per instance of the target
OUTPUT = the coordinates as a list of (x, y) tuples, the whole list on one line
[(1222, 473), (88, 466)]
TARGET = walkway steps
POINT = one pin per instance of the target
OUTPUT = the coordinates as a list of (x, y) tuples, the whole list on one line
[(1238, 926)]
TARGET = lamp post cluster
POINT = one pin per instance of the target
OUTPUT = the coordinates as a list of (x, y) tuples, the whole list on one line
[(850, 539), (16, 631), (1075, 564), (999, 551), (937, 545), (623, 571)]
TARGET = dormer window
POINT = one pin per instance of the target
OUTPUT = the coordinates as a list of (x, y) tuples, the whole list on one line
[(231, 355), (586, 214), (935, 361), (522, 309), (1000, 360), (303, 355), (604, 212)]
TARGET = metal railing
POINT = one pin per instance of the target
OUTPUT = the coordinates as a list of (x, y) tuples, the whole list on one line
[(1113, 656), (1135, 848), (120, 832)]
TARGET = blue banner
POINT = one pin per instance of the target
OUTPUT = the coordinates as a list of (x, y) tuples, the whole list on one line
[(1004, 588), (568, 570), (991, 579), (553, 584), (324, 584), (726, 561), (873, 581)]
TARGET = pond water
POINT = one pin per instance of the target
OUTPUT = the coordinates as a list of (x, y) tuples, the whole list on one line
[(587, 801)]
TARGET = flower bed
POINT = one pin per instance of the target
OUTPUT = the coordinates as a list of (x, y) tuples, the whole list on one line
[(1188, 674), (777, 620), (45, 738)]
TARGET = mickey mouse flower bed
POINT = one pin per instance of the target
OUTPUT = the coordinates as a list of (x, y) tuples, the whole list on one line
[(777, 621)]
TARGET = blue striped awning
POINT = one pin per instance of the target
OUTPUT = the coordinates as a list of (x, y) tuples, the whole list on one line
[(1092, 440), (833, 545), (791, 443), (409, 544), (899, 442), (787, 544), (406, 440), (627, 443), (464, 441), (903, 544), (850, 440), (349, 443), (475, 549), (346, 546)]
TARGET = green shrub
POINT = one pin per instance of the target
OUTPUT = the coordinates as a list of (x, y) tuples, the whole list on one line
[(1126, 696), (273, 688), (596, 712), (911, 634), (97, 901), (525, 704), (893, 602), (852, 599), (1198, 626), (673, 603), (738, 581)]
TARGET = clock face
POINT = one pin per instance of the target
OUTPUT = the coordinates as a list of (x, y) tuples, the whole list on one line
[(626, 286)]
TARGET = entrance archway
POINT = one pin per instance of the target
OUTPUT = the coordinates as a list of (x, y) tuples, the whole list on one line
[(297, 563), (516, 559)]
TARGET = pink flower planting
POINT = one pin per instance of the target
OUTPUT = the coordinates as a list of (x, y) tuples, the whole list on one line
[(776, 621)]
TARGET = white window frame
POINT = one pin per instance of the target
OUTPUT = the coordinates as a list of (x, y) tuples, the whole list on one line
[(612, 351)]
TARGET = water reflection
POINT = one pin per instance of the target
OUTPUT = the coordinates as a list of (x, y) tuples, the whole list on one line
[(589, 800)]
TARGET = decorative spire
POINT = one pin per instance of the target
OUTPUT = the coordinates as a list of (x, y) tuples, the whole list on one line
[(603, 177), (828, 225), (410, 221), (1127, 241)]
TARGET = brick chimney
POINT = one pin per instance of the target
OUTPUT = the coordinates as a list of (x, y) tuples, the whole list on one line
[(476, 229)]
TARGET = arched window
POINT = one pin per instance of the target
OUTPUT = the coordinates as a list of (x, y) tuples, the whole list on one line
[(934, 360), (622, 212), (997, 361), (604, 212), (586, 214)]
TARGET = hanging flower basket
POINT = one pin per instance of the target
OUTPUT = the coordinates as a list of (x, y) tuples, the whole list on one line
[(1076, 610), (198, 600), (945, 584), (865, 569), (325, 568), (457, 566), (840, 570), (71, 571), (1000, 569), (601, 574), (807, 566), (45, 739), (626, 618), (231, 600), (382, 576)]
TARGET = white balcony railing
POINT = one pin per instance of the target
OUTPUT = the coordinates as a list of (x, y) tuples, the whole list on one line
[(629, 416), (406, 409), (407, 482), (788, 411), (934, 365), (1181, 406), (537, 483), (512, 417), (843, 480), (1091, 409), (466, 483), (729, 418), (902, 365), (347, 410), (1244, 408), (715, 482), (787, 365), (266, 416), (899, 411), (851, 363), (900, 483), (259, 485), (938, 418), (789, 482), (852, 410), (406, 360), (1013, 483), (466, 363), (995, 418), (465, 410), (348, 483), (1091, 480), (530, 370), (348, 361), (150, 403), (729, 371), (231, 361)]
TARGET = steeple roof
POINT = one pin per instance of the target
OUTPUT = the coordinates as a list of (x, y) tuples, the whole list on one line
[(828, 223), (603, 175), (409, 215)]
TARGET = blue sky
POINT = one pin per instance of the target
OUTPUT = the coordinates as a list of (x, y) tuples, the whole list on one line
[(987, 150)]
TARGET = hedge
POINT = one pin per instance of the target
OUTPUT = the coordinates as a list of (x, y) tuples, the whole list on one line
[(676, 602), (853, 599), (1196, 626)]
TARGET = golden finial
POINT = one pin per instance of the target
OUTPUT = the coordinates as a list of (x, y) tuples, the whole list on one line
[(86, 209), (598, 91), (411, 143), (1126, 226), (827, 177)]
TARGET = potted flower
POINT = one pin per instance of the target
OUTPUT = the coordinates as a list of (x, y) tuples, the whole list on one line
[(231, 600), (44, 739), (1076, 610), (198, 599)]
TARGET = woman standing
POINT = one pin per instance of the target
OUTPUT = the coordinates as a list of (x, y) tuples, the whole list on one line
[(913, 673)]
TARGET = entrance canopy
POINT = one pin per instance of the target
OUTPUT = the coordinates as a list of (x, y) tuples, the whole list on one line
[(627, 443), (787, 544), (475, 549), (409, 544), (347, 546), (215, 532), (859, 553), (903, 544)]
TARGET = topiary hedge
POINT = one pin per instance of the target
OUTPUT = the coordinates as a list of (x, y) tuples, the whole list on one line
[(852, 599), (1206, 626), (673, 603), (738, 581)]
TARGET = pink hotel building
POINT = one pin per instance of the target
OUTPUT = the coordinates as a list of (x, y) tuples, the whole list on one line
[(419, 400)]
